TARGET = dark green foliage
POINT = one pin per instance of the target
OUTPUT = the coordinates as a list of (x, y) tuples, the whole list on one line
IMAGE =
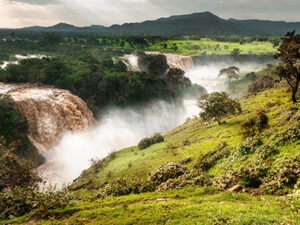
[(153, 64), (15, 171), (266, 151), (201, 179), (19, 201), (217, 106), (209, 159), (97, 83), (123, 187), (146, 142), (13, 127), (231, 72), (255, 124), (285, 136), (176, 81), (289, 56), (284, 173), (252, 175), (261, 84), (248, 146), (251, 76), (166, 172)]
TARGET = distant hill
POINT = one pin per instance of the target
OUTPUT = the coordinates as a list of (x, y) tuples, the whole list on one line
[(191, 24)]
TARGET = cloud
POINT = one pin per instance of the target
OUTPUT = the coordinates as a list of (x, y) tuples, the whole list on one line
[(20, 13), (34, 2)]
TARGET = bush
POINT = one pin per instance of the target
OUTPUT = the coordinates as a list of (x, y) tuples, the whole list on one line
[(123, 187), (146, 142), (248, 146), (18, 201), (284, 173), (15, 171), (156, 138), (266, 151), (287, 135), (209, 159), (185, 160), (179, 182), (255, 124), (262, 84), (166, 172)]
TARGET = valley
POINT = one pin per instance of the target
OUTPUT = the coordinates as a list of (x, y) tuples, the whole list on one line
[(189, 119)]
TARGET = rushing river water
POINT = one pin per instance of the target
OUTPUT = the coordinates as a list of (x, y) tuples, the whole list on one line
[(120, 128)]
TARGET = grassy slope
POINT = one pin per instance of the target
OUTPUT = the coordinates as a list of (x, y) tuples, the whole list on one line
[(132, 162), (195, 204)]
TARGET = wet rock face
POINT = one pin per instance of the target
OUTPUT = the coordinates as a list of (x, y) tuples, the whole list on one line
[(174, 61), (50, 112), (178, 61)]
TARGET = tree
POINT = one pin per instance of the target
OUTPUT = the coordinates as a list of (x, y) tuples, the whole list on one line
[(231, 72), (289, 67), (217, 106), (176, 81)]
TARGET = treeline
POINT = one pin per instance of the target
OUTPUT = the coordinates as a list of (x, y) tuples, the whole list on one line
[(100, 83)]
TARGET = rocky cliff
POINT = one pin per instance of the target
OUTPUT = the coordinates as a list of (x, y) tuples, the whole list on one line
[(174, 61), (50, 112)]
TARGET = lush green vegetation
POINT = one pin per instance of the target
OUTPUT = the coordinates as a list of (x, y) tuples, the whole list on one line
[(13, 128), (98, 83), (218, 155)]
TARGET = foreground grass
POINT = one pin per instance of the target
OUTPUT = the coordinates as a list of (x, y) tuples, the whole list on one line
[(190, 205)]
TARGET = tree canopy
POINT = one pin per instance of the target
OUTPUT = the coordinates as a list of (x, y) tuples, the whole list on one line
[(217, 106), (289, 55)]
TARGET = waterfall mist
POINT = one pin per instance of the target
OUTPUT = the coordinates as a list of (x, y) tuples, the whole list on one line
[(119, 128)]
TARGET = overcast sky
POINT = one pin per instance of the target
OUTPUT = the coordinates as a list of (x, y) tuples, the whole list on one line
[(20, 13)]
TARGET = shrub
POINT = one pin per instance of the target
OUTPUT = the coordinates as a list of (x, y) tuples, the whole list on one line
[(166, 172), (266, 151), (252, 174), (185, 160), (209, 159), (261, 84), (255, 124), (18, 201), (97, 164), (286, 135), (248, 146), (179, 182), (15, 171), (123, 187), (156, 138), (249, 175), (284, 173), (146, 142)]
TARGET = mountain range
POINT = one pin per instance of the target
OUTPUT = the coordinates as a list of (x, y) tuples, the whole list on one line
[(192, 24)]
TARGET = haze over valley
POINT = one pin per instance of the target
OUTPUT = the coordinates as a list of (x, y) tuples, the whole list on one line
[(191, 118)]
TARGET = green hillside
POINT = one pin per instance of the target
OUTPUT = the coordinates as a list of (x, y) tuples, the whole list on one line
[(217, 158)]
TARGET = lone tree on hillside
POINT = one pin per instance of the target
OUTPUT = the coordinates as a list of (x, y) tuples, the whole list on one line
[(217, 106), (289, 55), (230, 72)]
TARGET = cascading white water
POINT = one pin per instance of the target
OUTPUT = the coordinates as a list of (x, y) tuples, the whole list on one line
[(120, 128)]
